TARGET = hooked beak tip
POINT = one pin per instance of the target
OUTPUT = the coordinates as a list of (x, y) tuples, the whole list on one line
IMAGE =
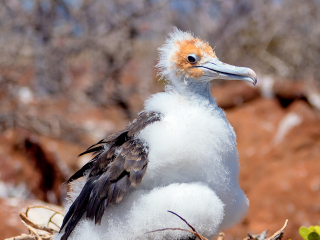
[(255, 82), (252, 75)]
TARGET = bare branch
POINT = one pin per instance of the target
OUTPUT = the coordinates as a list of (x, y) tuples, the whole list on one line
[(194, 232), (183, 220), (263, 236), (39, 227), (278, 235)]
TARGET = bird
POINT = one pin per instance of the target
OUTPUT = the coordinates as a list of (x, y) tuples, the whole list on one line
[(179, 154)]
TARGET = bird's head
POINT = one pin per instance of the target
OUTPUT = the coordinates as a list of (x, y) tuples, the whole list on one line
[(185, 59)]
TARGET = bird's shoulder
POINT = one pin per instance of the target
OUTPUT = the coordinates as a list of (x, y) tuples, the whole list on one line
[(123, 143)]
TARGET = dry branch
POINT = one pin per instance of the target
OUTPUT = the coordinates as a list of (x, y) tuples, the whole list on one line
[(194, 232), (56, 127), (26, 237), (263, 236), (37, 231), (221, 236), (28, 222)]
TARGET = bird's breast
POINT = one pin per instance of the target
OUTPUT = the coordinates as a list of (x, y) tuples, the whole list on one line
[(191, 143)]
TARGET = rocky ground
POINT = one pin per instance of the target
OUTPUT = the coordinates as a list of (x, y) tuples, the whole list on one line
[(278, 130)]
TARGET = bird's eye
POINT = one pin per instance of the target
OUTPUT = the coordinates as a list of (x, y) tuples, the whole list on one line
[(192, 58)]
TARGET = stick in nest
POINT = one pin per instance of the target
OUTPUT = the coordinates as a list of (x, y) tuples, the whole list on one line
[(193, 231), (36, 231), (263, 236)]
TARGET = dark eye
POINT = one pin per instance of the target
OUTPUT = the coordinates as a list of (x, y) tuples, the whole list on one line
[(192, 58)]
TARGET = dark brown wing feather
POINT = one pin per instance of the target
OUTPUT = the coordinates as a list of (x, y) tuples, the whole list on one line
[(120, 161)]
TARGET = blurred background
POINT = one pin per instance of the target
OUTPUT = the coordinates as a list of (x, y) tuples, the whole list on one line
[(74, 71)]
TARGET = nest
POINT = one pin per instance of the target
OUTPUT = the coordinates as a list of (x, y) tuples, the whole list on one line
[(43, 222)]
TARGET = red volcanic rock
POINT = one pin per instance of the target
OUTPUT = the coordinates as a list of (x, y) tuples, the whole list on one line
[(289, 89), (234, 93), (27, 163), (11, 224), (279, 152)]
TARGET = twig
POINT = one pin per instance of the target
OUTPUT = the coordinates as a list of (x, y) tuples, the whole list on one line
[(50, 219), (33, 227), (33, 231), (221, 236), (174, 229), (263, 236), (194, 232), (279, 234), (25, 237), (183, 220), (45, 207), (39, 227)]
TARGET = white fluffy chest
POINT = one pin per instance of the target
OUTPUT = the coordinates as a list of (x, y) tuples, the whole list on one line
[(193, 142)]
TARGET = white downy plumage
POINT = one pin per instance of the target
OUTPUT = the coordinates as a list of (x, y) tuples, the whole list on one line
[(193, 166)]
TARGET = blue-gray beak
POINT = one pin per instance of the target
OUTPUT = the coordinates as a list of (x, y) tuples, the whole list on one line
[(219, 70)]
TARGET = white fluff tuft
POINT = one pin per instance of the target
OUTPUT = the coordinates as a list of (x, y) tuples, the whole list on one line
[(168, 50), (144, 211), (195, 202)]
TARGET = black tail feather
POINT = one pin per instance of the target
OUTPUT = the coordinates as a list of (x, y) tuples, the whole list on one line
[(103, 205), (90, 150), (72, 224), (68, 215), (77, 209), (100, 142), (80, 173), (94, 202)]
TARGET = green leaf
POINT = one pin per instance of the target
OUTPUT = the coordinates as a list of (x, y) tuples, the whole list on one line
[(313, 236), (304, 232), (317, 229)]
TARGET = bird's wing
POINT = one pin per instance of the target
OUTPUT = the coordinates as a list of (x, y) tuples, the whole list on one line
[(121, 161)]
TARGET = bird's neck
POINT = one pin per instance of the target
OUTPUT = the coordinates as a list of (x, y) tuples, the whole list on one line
[(191, 89)]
